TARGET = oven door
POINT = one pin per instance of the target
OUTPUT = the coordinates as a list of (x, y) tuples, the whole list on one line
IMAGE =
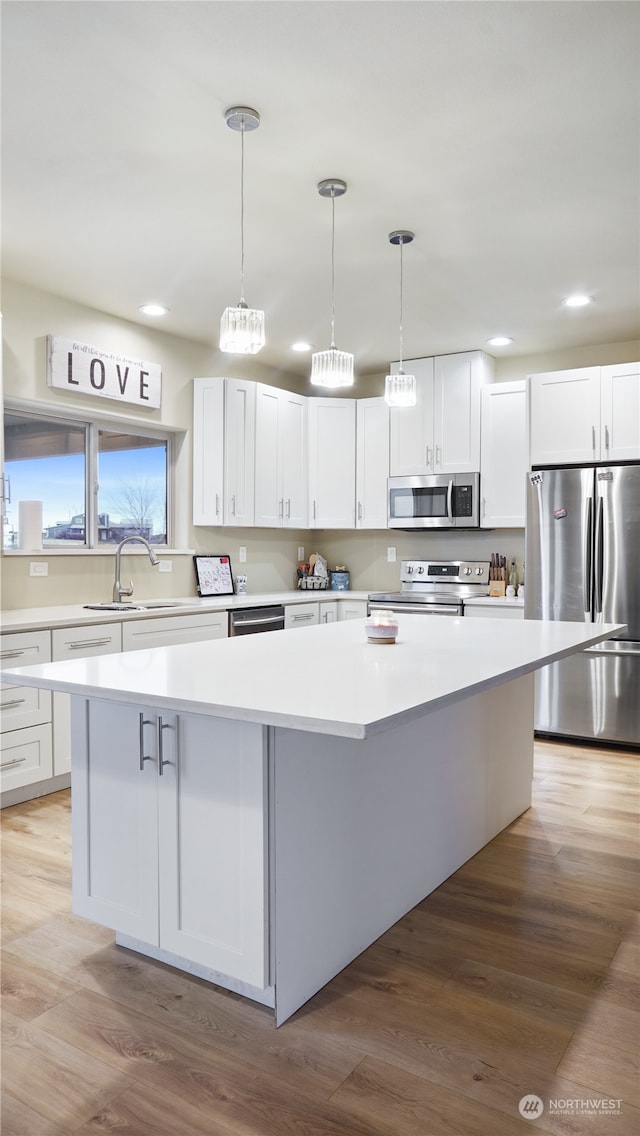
[(409, 608), (421, 502)]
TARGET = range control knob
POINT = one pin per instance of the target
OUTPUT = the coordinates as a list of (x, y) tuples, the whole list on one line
[(478, 571), (409, 569), (467, 571), (421, 569)]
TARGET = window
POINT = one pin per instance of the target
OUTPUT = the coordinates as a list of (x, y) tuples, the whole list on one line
[(97, 483)]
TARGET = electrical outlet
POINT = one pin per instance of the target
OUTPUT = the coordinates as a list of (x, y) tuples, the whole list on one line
[(38, 568), (242, 554), (165, 566), (391, 556), (300, 554)]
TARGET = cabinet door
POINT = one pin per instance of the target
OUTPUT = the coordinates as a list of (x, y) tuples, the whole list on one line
[(458, 382), (293, 459), (329, 612), (239, 451), (372, 463), (140, 634), (208, 451), (332, 463), (411, 449), (269, 502), (352, 609), (24, 705), (301, 615), (503, 460), (620, 412), (76, 643), (115, 817), (564, 416), (212, 847)]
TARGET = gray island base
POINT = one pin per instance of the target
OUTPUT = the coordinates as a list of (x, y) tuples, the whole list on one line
[(262, 839)]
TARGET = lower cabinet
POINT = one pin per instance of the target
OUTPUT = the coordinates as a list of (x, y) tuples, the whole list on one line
[(352, 609), (493, 612), (301, 615), (26, 755), (167, 630), (170, 833), (76, 643)]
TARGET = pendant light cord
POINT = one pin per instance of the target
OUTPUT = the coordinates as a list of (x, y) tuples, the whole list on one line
[(333, 268), (401, 282), (242, 299)]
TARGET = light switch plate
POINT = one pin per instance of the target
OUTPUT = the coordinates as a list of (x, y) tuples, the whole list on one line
[(38, 568), (300, 554), (242, 554), (391, 556), (165, 566)]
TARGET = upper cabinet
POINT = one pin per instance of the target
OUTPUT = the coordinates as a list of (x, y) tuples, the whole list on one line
[(503, 464), (208, 451), (332, 463), (281, 458), (372, 463), (583, 415), (441, 434), (239, 451)]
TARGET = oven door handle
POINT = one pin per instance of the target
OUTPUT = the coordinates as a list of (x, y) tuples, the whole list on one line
[(418, 609)]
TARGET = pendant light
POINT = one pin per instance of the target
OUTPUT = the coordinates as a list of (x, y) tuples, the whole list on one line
[(332, 368), (400, 389), (242, 328)]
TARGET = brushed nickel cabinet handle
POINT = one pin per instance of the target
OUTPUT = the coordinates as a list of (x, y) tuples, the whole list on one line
[(142, 723), (88, 643), (162, 726), (14, 761), (12, 702)]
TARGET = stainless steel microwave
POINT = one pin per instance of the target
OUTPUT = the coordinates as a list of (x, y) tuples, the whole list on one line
[(434, 501)]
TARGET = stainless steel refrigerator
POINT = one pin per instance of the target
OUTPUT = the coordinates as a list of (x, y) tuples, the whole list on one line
[(582, 564)]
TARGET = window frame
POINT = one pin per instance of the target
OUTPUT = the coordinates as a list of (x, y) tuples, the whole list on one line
[(92, 427)]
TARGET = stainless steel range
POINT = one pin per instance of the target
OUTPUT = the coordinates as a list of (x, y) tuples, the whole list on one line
[(435, 587)]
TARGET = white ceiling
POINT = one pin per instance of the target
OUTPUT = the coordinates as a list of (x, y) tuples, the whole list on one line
[(505, 134)]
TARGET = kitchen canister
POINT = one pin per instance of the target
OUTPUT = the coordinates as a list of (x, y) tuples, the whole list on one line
[(339, 580), (30, 525)]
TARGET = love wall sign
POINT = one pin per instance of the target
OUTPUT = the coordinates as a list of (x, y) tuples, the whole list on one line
[(77, 367)]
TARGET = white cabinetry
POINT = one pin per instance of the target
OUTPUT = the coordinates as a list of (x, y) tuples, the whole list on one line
[(584, 415), (352, 609), (239, 452), (499, 611), (441, 434), (138, 634), (301, 615), (503, 455), (372, 463), (76, 643), (329, 611), (208, 451), (332, 463), (169, 830), (25, 741), (281, 458)]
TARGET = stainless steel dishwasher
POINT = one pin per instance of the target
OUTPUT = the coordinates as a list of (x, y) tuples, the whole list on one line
[(254, 620)]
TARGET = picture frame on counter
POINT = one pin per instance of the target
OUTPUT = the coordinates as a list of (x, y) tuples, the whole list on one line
[(213, 575)]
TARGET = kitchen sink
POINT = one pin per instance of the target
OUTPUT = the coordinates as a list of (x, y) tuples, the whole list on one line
[(148, 605)]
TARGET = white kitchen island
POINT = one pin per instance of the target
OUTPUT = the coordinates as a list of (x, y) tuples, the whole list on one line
[(258, 810)]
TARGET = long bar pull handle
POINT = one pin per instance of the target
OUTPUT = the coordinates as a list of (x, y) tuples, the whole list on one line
[(359, 510), (233, 505), (598, 574), (142, 722), (428, 457), (11, 703), (588, 544), (450, 501), (162, 726), (77, 646), (14, 761), (593, 439), (281, 509), (437, 455), (217, 504), (288, 508), (606, 438), (314, 510), (484, 507), (14, 654)]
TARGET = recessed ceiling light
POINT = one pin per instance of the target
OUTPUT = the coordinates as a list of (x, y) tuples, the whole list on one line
[(577, 301), (301, 346), (153, 310), (500, 341)]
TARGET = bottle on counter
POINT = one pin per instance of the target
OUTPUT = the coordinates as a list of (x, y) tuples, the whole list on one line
[(513, 576)]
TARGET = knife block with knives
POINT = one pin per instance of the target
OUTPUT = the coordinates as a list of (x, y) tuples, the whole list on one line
[(497, 575)]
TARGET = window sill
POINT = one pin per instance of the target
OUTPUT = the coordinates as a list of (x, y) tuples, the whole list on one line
[(108, 550)]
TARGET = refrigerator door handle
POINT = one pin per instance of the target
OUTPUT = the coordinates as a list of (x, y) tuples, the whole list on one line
[(588, 545), (598, 575)]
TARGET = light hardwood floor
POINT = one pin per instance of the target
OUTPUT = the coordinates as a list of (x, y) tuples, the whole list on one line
[(518, 976)]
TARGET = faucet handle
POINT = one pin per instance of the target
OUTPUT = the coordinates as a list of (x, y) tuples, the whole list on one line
[(127, 591)]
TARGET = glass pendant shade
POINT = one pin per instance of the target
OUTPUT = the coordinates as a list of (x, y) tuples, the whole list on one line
[(400, 389), (332, 369), (242, 330)]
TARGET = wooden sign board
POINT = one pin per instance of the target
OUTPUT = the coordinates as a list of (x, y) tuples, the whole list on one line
[(78, 367)]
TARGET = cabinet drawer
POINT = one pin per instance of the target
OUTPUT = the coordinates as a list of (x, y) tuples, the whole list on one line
[(301, 615), (23, 706), (80, 642), (169, 629), (25, 756), (487, 612)]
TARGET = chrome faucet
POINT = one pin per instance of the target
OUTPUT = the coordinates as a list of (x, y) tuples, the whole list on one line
[(118, 590)]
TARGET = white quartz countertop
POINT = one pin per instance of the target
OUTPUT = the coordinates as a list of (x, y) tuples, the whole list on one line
[(323, 679), (75, 615)]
